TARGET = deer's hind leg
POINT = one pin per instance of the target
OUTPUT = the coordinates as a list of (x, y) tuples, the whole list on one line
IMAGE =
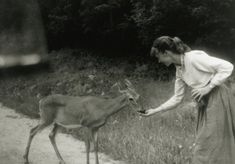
[(32, 133)]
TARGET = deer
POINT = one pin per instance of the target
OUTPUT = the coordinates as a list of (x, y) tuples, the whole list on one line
[(75, 112)]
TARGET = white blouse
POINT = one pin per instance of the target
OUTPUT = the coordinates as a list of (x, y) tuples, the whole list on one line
[(198, 69)]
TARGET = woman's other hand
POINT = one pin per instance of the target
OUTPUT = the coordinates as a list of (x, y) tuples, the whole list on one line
[(198, 93)]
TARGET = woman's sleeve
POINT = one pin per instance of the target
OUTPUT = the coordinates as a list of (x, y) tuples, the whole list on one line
[(178, 96), (220, 68)]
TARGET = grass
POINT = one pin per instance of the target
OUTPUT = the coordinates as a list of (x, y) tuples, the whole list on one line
[(163, 139)]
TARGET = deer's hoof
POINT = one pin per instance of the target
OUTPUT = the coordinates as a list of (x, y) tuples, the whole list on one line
[(62, 162), (26, 161)]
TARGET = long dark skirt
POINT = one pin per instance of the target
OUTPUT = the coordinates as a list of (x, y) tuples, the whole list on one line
[(215, 142)]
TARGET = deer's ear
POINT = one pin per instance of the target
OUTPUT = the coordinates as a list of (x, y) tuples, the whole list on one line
[(128, 83), (115, 87)]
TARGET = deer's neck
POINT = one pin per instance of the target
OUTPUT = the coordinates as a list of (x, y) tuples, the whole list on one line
[(116, 104)]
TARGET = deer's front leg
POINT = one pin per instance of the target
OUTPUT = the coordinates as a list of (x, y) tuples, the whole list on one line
[(87, 144), (95, 141)]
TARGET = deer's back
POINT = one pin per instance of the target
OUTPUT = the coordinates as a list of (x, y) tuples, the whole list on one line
[(87, 105), (85, 110)]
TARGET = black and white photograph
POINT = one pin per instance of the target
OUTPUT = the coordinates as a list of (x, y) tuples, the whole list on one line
[(117, 82)]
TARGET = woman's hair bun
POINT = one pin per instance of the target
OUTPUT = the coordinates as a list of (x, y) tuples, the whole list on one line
[(177, 40)]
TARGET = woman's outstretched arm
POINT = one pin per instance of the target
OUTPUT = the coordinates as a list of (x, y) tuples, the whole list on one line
[(171, 103)]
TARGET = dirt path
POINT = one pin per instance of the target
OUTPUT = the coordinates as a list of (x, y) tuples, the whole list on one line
[(14, 131)]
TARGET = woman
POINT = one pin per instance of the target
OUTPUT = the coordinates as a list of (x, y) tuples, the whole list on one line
[(206, 75)]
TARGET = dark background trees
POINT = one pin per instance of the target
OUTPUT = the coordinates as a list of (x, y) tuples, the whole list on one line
[(132, 25)]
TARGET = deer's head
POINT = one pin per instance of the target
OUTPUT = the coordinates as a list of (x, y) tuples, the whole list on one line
[(130, 92)]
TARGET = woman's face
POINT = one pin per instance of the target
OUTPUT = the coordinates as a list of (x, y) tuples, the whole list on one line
[(164, 58)]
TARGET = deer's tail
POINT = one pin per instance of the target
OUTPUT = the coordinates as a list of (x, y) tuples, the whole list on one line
[(47, 111)]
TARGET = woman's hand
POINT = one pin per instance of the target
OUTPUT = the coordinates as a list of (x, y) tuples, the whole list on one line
[(149, 112), (200, 92)]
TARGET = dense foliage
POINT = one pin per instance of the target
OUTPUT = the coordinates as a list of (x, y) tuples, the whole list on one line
[(133, 24)]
